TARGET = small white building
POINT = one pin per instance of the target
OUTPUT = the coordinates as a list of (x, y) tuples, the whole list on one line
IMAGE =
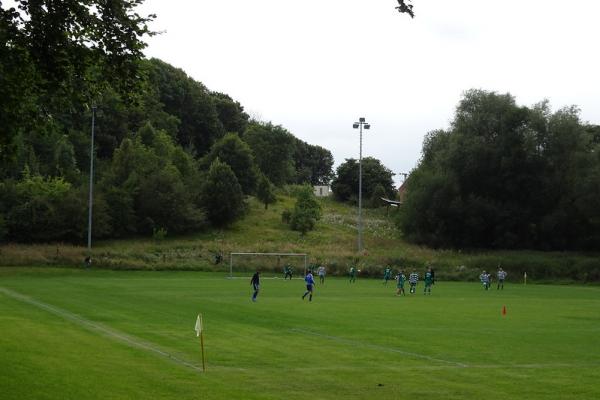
[(322, 190)]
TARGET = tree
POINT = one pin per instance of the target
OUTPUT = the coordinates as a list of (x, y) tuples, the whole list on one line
[(505, 176), (230, 112), (273, 147), (189, 101), (154, 185), (307, 211), (265, 192), (39, 209), (222, 195), (163, 201), (345, 184), (237, 154), (313, 164), (378, 193)]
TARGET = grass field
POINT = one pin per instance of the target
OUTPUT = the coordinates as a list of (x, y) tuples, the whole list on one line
[(73, 334)]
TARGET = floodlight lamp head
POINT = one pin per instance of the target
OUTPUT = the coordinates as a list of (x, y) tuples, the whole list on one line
[(361, 119), (367, 126), (355, 125)]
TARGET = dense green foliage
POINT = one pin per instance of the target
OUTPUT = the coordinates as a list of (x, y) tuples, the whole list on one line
[(313, 164), (273, 146), (307, 211), (222, 194), (265, 191), (285, 159), (454, 344), (506, 176), (375, 177), (157, 131), (237, 154)]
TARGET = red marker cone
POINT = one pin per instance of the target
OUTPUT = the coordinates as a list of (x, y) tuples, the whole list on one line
[(503, 310)]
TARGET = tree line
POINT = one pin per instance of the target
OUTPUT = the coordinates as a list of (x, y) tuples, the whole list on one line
[(170, 154), (506, 176)]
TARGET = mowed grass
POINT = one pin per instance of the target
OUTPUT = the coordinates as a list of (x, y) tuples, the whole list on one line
[(353, 341)]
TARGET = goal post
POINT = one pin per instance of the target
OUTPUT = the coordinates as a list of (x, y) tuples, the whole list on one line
[(267, 262)]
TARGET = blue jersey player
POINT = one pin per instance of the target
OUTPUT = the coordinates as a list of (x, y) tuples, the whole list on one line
[(310, 283)]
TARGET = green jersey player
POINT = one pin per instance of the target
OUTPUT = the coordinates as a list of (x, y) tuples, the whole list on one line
[(428, 281), (352, 274), (400, 279), (387, 275)]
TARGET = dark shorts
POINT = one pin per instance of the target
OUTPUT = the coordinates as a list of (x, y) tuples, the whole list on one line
[(309, 288), (256, 286)]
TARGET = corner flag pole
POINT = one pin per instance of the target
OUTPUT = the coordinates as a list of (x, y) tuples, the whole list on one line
[(200, 332)]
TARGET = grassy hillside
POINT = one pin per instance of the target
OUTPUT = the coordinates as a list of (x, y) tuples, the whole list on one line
[(333, 242)]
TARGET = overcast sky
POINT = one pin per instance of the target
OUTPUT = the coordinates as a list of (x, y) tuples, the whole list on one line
[(316, 66)]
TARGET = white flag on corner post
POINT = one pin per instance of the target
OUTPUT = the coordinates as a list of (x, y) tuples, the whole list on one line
[(198, 327)]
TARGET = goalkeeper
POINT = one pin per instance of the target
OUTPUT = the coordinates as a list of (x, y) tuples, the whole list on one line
[(288, 271)]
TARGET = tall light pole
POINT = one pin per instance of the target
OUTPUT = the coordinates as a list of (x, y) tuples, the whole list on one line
[(359, 125), (89, 244)]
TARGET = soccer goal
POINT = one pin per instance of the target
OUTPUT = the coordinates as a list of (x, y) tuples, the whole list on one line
[(270, 264)]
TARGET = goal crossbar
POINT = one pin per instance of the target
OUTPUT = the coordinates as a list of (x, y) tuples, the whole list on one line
[(304, 255)]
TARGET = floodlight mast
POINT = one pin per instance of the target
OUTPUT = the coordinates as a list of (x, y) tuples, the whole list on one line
[(360, 125), (91, 189)]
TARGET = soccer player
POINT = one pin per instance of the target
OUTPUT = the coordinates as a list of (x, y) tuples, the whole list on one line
[(428, 281), (387, 274), (255, 282), (400, 279), (413, 278), (485, 280), (501, 276), (310, 282), (288, 271), (352, 274), (321, 273)]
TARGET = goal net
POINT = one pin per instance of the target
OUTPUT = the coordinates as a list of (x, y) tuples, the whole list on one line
[(271, 265)]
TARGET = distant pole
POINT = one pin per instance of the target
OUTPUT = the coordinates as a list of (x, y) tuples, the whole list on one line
[(89, 244), (359, 125), (202, 348)]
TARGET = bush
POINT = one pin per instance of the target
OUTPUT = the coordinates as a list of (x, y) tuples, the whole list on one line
[(286, 216), (307, 211)]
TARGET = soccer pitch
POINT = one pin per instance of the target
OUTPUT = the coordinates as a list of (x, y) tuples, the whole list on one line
[(72, 334)]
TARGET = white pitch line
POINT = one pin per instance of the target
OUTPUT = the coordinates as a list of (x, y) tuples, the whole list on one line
[(376, 347), (96, 327)]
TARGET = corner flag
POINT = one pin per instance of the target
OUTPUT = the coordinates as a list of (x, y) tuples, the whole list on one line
[(198, 327)]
